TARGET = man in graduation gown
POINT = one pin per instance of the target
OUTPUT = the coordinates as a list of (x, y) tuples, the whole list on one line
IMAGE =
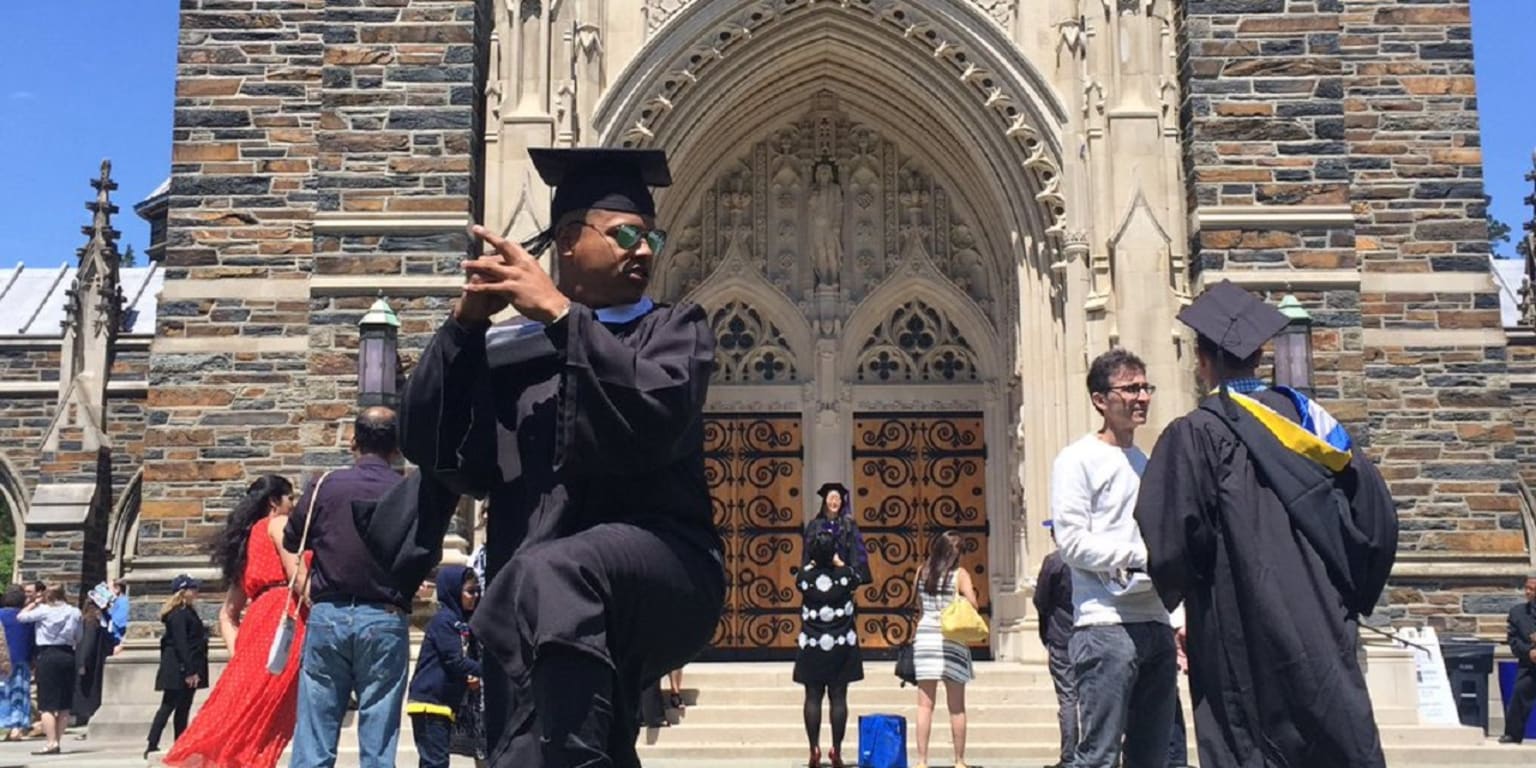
[(582, 422), (1277, 536)]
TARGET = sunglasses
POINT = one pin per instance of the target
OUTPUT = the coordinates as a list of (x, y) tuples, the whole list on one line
[(629, 236)]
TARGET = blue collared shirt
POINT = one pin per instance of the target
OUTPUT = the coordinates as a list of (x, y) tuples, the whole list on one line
[(1246, 385)]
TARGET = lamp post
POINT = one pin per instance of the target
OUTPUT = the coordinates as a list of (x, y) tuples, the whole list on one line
[(377, 355), (1293, 347)]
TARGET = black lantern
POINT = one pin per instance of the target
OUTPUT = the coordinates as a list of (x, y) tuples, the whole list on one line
[(377, 355), (1293, 347)]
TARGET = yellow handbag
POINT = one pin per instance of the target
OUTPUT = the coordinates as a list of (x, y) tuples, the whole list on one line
[(962, 623)]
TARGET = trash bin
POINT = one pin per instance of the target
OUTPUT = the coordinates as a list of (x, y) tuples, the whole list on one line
[(1468, 663)]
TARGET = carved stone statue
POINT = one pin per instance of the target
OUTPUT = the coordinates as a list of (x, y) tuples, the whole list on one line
[(969, 271), (826, 223), (684, 270)]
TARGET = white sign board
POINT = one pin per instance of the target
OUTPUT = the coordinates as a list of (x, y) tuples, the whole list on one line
[(1437, 705)]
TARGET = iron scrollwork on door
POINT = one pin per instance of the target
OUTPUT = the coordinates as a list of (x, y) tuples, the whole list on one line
[(754, 465), (914, 476)]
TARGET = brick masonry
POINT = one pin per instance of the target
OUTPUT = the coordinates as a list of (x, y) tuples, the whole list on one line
[(24, 419), (288, 113), (1371, 104), (1263, 125)]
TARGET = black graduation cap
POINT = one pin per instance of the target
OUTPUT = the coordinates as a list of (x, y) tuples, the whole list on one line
[(610, 179), (829, 487), (1236, 320)]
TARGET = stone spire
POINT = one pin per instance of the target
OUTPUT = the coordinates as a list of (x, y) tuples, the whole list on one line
[(72, 501), (92, 316), (98, 258), (1528, 291)]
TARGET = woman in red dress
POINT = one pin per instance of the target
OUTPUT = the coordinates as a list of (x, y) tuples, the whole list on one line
[(249, 717)]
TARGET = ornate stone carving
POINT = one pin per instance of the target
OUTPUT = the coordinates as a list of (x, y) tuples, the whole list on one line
[(658, 12), (966, 266), (826, 211), (910, 20), (916, 343), (685, 265), (750, 349), (1001, 11)]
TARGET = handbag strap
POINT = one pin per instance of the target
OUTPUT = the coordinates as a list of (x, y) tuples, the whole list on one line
[(309, 519)]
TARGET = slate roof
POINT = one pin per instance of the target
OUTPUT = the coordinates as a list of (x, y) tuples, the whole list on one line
[(32, 299), (1509, 275)]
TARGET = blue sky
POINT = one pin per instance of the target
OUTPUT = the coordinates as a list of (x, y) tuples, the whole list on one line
[(80, 81), (87, 79)]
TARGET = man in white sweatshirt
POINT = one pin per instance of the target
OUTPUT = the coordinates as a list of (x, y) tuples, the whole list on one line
[(1122, 647)]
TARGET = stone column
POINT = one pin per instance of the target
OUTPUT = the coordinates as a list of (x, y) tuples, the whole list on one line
[(1436, 356)]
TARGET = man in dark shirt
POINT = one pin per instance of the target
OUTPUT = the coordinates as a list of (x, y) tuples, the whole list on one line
[(356, 637), (1522, 642), (1053, 603)]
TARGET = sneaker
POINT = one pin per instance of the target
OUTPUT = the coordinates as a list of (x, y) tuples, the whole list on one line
[(1508, 739)]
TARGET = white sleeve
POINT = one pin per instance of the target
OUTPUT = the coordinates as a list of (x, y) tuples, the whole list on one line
[(1071, 509)]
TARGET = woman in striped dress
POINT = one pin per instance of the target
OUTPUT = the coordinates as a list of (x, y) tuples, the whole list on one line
[(940, 582)]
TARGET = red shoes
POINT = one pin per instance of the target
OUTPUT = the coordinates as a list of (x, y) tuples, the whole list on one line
[(815, 761)]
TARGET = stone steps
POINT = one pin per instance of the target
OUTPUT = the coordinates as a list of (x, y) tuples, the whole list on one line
[(988, 723), (740, 712), (749, 714)]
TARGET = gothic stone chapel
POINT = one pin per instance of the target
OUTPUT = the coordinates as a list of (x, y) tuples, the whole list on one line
[(912, 225)]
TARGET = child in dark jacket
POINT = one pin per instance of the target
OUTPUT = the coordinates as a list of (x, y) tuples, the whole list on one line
[(447, 669), (183, 659)]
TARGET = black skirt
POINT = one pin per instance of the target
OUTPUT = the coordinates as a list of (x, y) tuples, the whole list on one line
[(55, 678), (829, 639)]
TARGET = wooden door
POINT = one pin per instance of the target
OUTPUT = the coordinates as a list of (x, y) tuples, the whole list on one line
[(754, 468), (915, 475)]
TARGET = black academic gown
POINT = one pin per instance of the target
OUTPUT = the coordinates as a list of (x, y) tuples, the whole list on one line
[(1272, 623), (600, 537)]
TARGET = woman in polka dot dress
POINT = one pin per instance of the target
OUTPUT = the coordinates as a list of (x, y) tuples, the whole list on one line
[(828, 659)]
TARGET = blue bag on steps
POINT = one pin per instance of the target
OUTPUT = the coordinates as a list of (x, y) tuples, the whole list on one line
[(882, 741)]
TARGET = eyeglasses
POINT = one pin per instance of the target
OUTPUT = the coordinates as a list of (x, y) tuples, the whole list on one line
[(628, 236), (1136, 390)]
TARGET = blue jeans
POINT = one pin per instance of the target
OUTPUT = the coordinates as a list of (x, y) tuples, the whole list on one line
[(1066, 701), (351, 646), (1126, 688), (434, 738)]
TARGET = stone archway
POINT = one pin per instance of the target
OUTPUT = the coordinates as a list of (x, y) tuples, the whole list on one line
[(15, 497), (123, 530), (887, 364)]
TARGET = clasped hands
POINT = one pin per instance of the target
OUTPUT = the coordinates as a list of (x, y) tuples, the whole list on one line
[(507, 276)]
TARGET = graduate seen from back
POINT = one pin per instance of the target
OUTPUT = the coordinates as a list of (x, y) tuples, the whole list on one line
[(581, 421), (1277, 535)]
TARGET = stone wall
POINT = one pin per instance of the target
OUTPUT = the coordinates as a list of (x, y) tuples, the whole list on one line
[(1332, 148), (325, 153), (1263, 121), (80, 558)]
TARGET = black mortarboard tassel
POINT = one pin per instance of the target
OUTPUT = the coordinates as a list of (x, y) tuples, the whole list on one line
[(1236, 320)]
